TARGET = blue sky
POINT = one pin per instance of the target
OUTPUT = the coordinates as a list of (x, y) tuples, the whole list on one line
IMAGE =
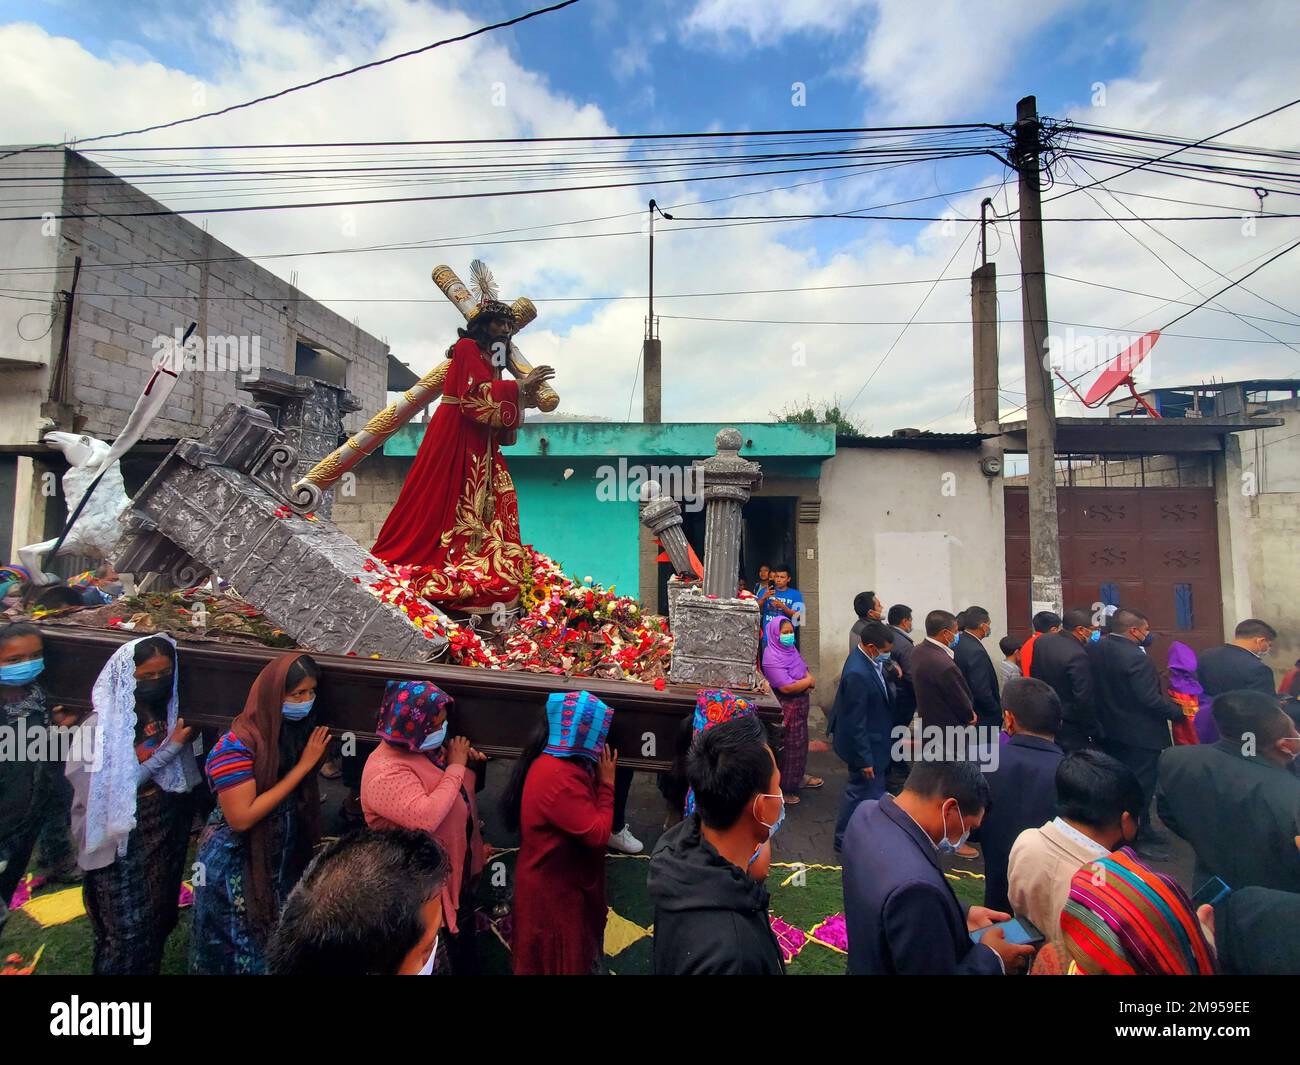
[(691, 65)]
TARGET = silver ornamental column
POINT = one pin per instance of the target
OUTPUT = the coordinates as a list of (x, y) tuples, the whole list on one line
[(728, 481), (662, 515)]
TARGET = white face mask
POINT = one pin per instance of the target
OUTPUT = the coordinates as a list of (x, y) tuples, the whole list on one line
[(428, 965), (945, 845)]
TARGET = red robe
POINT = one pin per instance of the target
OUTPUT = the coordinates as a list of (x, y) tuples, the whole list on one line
[(456, 520), (559, 907)]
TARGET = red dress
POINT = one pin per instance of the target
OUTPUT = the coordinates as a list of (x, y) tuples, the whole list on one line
[(456, 520), (559, 908)]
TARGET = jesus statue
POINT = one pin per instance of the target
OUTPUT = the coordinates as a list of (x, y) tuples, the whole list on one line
[(456, 520)]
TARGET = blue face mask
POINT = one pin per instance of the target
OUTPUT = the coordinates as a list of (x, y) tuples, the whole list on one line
[(771, 829), (297, 711), (21, 673), (1148, 640), (881, 660), (955, 639), (945, 845), (787, 639), (434, 739), (1094, 636)]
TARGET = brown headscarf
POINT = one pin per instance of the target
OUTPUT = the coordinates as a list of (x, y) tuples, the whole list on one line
[(258, 729)]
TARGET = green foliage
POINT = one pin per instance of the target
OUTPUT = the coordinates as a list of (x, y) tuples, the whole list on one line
[(821, 412)]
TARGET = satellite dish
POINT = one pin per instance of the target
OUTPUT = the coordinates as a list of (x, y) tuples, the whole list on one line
[(1119, 373)]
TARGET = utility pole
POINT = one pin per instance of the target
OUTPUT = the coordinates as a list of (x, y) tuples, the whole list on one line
[(1040, 399), (651, 351), (984, 330)]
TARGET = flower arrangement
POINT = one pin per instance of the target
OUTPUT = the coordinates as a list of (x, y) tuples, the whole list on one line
[(568, 626)]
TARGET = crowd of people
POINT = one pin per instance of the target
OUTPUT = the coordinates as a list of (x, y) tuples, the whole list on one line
[(1080, 737), (1072, 737)]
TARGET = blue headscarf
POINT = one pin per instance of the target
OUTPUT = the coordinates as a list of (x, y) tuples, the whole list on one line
[(579, 723)]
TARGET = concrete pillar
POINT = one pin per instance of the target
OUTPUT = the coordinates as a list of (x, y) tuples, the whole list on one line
[(984, 329), (652, 392), (662, 515), (728, 481)]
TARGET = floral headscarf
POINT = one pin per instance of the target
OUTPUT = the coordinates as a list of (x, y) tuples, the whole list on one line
[(713, 706), (408, 712)]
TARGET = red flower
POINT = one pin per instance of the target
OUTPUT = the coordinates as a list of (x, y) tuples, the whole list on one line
[(659, 684)]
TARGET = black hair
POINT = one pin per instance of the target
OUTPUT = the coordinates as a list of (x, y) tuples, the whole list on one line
[(1096, 790), (53, 597), (962, 781), (303, 667), (1077, 617), (512, 799), (1126, 618), (1252, 627), (1249, 713), (974, 616), (1009, 645), (295, 734), (727, 766), (780, 567), (151, 646), (1046, 621), (673, 784), (16, 630), (864, 603), (960, 618), (358, 909), (898, 613), (938, 620), (1035, 703), (877, 634)]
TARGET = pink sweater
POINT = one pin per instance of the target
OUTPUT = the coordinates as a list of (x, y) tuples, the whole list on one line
[(402, 789)]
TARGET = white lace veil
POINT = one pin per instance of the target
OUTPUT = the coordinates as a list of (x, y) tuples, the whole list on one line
[(110, 805)]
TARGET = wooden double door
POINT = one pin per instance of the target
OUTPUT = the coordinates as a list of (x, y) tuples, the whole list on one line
[(1153, 549)]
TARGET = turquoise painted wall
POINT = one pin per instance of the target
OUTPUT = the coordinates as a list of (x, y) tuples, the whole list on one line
[(565, 519), (665, 440), (591, 536)]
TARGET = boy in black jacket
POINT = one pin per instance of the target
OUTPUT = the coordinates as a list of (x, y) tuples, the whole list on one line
[(706, 873)]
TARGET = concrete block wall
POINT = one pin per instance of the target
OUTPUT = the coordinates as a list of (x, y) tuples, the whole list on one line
[(161, 285), (362, 512)]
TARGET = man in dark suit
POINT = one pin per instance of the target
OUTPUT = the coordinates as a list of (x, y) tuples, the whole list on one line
[(943, 697), (1061, 660), (861, 721), (900, 912), (976, 665), (1022, 786), (868, 609), (900, 624), (1236, 801), (1237, 666), (1135, 716)]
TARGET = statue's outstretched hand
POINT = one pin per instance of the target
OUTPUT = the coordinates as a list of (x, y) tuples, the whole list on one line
[(537, 376)]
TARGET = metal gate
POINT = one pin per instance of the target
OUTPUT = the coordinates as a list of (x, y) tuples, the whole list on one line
[(1153, 549)]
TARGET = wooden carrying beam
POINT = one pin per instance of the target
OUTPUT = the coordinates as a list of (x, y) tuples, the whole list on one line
[(496, 709)]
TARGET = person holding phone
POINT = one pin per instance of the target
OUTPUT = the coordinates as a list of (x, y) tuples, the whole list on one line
[(900, 911)]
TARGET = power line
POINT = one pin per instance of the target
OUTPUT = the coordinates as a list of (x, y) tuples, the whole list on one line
[(1176, 151), (320, 81), (881, 362), (475, 239), (1165, 264), (498, 194)]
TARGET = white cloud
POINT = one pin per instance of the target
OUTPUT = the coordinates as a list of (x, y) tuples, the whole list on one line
[(1189, 80)]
